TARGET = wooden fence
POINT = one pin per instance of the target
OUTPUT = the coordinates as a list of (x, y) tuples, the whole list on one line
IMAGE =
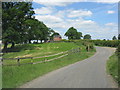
[(76, 50)]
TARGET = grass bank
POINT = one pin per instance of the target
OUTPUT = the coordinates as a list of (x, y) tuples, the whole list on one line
[(14, 76), (34, 50), (112, 67)]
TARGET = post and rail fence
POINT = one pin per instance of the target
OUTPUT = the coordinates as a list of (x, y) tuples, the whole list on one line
[(76, 50)]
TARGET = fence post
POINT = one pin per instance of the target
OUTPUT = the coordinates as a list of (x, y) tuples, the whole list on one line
[(31, 60), (18, 61), (2, 61), (68, 52), (44, 60), (79, 49), (88, 48)]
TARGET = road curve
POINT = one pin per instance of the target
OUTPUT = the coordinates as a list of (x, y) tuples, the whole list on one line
[(89, 73)]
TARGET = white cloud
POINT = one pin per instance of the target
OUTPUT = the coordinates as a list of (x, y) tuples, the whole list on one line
[(48, 18), (110, 12), (66, 2), (53, 2), (106, 31), (111, 24), (44, 10), (104, 1), (71, 13), (78, 13), (61, 23)]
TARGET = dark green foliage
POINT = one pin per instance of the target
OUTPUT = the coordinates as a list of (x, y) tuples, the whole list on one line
[(72, 34), (87, 43), (108, 43), (19, 48), (14, 14), (87, 36), (36, 30), (79, 35), (119, 37), (114, 38), (118, 50), (19, 26)]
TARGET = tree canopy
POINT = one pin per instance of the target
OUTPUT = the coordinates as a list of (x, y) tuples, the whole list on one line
[(19, 25), (119, 37), (114, 38), (14, 14), (73, 34), (87, 36)]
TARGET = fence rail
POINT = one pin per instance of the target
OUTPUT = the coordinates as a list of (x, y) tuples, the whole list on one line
[(18, 59)]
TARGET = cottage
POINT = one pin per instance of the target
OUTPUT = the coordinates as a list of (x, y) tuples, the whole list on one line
[(57, 38)]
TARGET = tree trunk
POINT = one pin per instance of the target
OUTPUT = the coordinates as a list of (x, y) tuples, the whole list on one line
[(41, 41), (13, 45), (45, 40), (5, 45), (25, 41), (29, 41)]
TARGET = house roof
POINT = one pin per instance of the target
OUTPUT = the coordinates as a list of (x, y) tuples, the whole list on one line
[(57, 36)]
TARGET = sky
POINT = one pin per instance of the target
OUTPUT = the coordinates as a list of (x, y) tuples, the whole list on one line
[(99, 18)]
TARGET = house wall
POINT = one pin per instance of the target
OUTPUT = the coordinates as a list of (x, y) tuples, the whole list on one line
[(57, 39)]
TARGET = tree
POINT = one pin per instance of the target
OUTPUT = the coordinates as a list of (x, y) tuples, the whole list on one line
[(45, 32), (14, 15), (114, 38), (87, 36), (33, 31), (37, 30), (79, 35), (71, 33), (119, 37)]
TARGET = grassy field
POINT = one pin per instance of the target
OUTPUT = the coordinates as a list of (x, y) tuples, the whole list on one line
[(112, 67), (35, 50), (14, 76)]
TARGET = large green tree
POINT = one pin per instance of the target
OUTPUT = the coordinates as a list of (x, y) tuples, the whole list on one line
[(36, 30), (51, 32), (71, 33), (87, 36), (119, 37), (114, 38), (14, 15), (79, 35), (44, 32)]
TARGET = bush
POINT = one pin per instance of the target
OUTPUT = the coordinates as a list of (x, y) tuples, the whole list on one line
[(108, 43), (89, 45)]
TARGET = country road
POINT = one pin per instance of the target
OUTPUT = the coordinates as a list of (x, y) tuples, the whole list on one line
[(89, 73)]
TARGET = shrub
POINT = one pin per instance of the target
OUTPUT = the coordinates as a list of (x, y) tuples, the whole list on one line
[(109, 43)]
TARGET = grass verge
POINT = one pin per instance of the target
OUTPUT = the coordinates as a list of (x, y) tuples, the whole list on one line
[(112, 67)]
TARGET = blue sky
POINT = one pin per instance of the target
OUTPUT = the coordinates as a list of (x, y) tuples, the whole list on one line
[(99, 19)]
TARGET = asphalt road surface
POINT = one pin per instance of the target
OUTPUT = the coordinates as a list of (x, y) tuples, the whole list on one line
[(89, 73)]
